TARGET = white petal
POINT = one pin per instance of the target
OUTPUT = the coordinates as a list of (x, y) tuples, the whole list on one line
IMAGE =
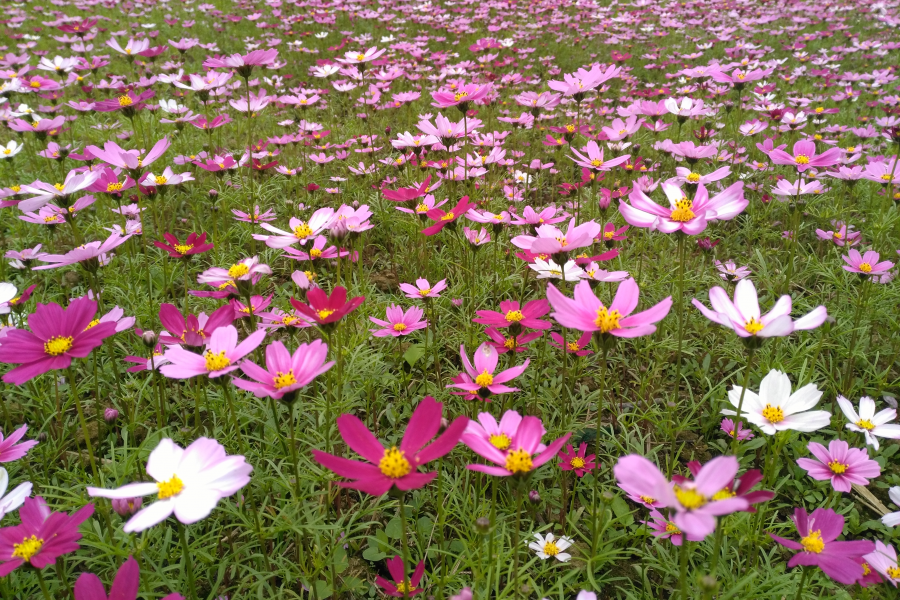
[(802, 400), (150, 516)]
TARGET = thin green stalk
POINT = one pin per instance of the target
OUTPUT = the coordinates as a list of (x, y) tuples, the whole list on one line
[(601, 390), (737, 418), (43, 584), (678, 356), (805, 573), (682, 579), (404, 543), (84, 428), (188, 563), (515, 547)]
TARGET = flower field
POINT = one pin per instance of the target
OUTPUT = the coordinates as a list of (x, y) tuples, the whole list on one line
[(457, 300)]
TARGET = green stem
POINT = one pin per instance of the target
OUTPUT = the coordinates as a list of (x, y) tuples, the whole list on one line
[(84, 428), (515, 547), (186, 559), (683, 570), (860, 305), (43, 584), (600, 393), (737, 418), (404, 543), (805, 573), (678, 355)]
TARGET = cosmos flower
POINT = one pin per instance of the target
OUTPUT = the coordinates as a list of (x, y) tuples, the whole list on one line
[(818, 545), (387, 468), (480, 379), (884, 560), (14, 499), (285, 373), (549, 546), (683, 214), (423, 289), (587, 313), (775, 408), (222, 356), (399, 322), (511, 444), (867, 422), (570, 460), (731, 430), (327, 310), (866, 264), (803, 156), (401, 587), (840, 464), (511, 314), (193, 244), (89, 254), (124, 587), (188, 482)]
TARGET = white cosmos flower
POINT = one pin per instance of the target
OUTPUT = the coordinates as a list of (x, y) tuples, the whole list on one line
[(775, 408), (893, 519), (547, 269), (868, 423), (548, 546), (11, 148), (322, 34), (13, 500)]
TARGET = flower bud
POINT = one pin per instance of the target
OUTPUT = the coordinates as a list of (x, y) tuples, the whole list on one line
[(534, 497), (483, 525), (213, 193), (110, 414), (125, 507), (607, 497), (149, 338)]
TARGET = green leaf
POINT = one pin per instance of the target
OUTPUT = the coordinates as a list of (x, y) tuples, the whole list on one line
[(393, 529), (413, 354)]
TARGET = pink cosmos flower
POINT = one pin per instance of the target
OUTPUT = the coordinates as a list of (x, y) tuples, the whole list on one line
[(461, 96), (399, 322), (247, 270), (10, 449), (285, 373), (666, 529), (480, 379), (569, 460), (393, 467), (738, 430), (583, 80), (594, 159), (577, 347), (803, 156), (91, 254), (423, 289), (301, 231), (442, 219), (42, 537), (729, 271), (44, 193), (884, 560), (192, 330), (695, 501), (400, 587), (188, 482), (551, 240), (818, 546), (124, 587), (841, 464), (356, 58), (685, 215), (741, 487), (512, 343), (244, 64), (744, 318), (585, 312), (513, 453), (57, 336), (116, 156), (511, 315), (842, 236), (222, 355), (866, 264)]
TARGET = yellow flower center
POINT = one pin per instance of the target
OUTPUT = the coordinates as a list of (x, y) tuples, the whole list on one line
[(514, 316), (753, 326), (596, 163), (393, 464), (93, 323), (866, 569), (689, 498), (485, 379), (647, 499), (16, 188), (448, 217), (510, 343), (303, 231), (282, 380), (460, 96), (58, 345), (682, 212), (607, 321), (551, 549), (15, 301), (113, 187), (518, 461), (577, 463), (315, 253), (35, 84), (160, 180), (170, 488), (422, 208), (500, 441), (325, 313), (225, 285), (802, 159), (693, 177), (404, 587), (238, 270), (773, 414), (672, 528), (865, 424), (573, 346), (813, 542), (59, 186), (50, 219), (886, 177), (724, 494), (893, 572), (28, 548), (183, 249), (125, 101), (865, 267), (820, 109), (216, 361), (838, 235), (360, 57), (851, 148), (838, 468), (310, 275), (399, 326)]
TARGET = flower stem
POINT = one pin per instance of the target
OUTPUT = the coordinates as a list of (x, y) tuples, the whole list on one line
[(515, 547), (404, 542), (747, 370), (678, 355), (805, 573), (70, 375), (861, 299), (185, 558), (43, 584), (601, 390), (683, 570)]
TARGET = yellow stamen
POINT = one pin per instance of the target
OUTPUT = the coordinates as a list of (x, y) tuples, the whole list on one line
[(58, 345), (170, 488), (802, 159), (93, 323), (399, 326), (216, 361), (813, 542), (518, 461), (485, 379), (238, 270), (753, 326), (577, 463), (773, 414), (693, 177), (865, 267), (282, 380), (303, 231), (514, 316), (838, 468), (607, 321), (325, 313), (125, 101), (865, 424), (393, 464), (315, 253), (551, 549), (183, 249), (689, 498), (28, 548), (682, 212), (500, 441)]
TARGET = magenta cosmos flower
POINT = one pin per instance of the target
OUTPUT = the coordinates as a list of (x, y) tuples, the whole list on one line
[(866, 264), (285, 373), (841, 464), (570, 460), (818, 546), (514, 316), (192, 330), (695, 502), (442, 219), (738, 430), (188, 483), (461, 96), (423, 289), (742, 486), (401, 587), (42, 537), (744, 318), (124, 587), (327, 310), (585, 312), (11, 449), (479, 379), (193, 244), (387, 468), (57, 336), (399, 322), (803, 156), (518, 455), (223, 355), (683, 214), (666, 529)]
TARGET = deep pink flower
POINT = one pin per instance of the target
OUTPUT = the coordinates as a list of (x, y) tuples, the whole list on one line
[(387, 468), (803, 156), (480, 379), (841, 464), (731, 430), (461, 96), (666, 529), (512, 343), (222, 356), (42, 537), (10, 449), (401, 587), (194, 244), (57, 336), (192, 330), (818, 546), (577, 347), (124, 587), (514, 454), (585, 312), (285, 372), (327, 310), (511, 315), (742, 486), (866, 264), (570, 460), (442, 219)]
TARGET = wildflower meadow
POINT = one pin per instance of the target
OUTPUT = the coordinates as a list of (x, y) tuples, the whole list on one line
[(526, 300)]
